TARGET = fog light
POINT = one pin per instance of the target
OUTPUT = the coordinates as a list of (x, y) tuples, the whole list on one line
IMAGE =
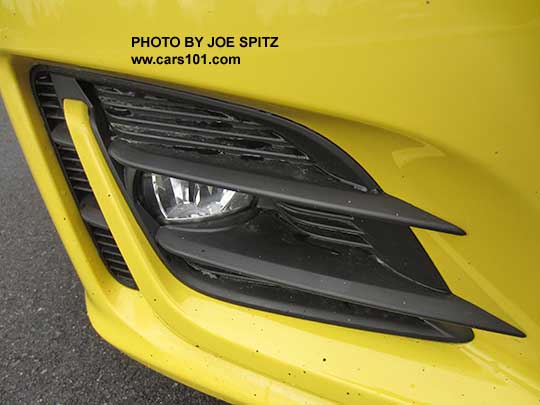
[(183, 201)]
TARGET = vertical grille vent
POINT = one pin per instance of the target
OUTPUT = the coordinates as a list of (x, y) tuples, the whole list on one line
[(53, 115)]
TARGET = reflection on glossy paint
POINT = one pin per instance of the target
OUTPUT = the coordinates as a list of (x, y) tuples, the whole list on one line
[(147, 7), (268, 10), (198, 10), (30, 10), (404, 156)]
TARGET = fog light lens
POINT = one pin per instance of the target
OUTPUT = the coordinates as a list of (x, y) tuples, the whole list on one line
[(183, 201)]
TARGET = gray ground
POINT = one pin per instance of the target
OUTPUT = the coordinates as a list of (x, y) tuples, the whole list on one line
[(49, 353)]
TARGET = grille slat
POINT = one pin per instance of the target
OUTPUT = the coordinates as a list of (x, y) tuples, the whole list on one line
[(51, 105), (110, 244), (121, 271), (46, 94), (80, 179), (70, 159), (82, 187), (44, 82), (77, 169), (103, 234), (115, 261), (68, 151), (111, 252), (54, 116)]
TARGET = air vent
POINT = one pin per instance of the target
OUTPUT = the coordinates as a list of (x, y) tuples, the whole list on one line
[(53, 114), (140, 116), (48, 101), (73, 169), (324, 226), (111, 256)]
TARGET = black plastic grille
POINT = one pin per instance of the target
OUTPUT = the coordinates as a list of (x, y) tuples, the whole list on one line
[(73, 169), (53, 115), (324, 226), (322, 242), (111, 255), (48, 101), (143, 117)]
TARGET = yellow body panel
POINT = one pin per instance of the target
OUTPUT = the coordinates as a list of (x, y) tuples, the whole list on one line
[(438, 100)]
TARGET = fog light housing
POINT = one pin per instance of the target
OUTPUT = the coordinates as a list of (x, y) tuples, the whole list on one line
[(181, 200)]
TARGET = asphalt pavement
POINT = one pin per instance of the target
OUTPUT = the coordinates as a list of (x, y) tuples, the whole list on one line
[(49, 352)]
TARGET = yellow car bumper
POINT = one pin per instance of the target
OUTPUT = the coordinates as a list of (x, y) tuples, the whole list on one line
[(421, 93)]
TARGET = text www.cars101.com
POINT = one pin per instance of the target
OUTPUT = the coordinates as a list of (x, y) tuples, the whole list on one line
[(189, 59)]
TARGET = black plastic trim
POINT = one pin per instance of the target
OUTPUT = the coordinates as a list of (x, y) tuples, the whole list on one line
[(68, 88), (260, 255), (378, 206), (313, 307), (91, 213)]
